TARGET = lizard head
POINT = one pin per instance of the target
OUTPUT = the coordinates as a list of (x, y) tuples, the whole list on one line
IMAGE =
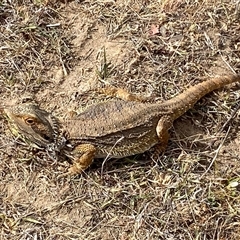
[(30, 122)]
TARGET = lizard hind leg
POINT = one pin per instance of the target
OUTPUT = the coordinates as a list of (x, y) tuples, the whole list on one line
[(83, 155), (164, 124), (122, 94)]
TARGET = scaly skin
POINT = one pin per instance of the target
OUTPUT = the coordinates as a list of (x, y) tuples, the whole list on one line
[(116, 128)]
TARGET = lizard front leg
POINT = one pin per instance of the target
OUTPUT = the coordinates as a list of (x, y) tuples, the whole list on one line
[(83, 157)]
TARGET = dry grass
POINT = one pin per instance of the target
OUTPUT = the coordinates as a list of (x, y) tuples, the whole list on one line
[(54, 51)]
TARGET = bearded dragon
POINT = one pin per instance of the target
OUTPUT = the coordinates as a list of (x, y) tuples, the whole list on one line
[(114, 128)]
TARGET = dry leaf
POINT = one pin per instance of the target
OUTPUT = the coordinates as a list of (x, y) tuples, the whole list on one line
[(154, 29)]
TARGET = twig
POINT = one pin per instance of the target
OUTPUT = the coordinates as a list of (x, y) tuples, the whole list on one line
[(217, 152)]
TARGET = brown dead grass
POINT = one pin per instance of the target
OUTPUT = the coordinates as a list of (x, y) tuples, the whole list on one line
[(54, 52)]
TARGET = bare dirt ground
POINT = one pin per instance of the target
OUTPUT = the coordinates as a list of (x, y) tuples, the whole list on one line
[(55, 52)]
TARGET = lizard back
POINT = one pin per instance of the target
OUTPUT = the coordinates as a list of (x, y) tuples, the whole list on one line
[(127, 127)]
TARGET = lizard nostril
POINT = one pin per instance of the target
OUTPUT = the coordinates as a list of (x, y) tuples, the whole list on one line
[(46, 137)]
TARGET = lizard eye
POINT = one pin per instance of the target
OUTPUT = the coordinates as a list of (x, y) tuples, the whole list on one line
[(29, 121)]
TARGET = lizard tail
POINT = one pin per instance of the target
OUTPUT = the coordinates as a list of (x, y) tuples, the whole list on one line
[(184, 101)]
